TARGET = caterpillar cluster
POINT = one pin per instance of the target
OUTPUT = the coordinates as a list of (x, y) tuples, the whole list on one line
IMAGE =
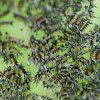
[(59, 55), (13, 86)]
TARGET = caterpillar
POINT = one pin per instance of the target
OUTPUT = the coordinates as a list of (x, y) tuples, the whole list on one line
[(73, 20), (79, 19), (12, 76), (64, 58), (6, 73), (6, 23), (20, 17), (64, 10), (20, 4), (4, 13), (13, 60)]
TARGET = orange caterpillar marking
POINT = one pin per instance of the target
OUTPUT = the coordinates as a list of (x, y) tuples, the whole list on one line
[(94, 68), (13, 61), (94, 40), (98, 56), (42, 20), (65, 10), (22, 72), (6, 74), (42, 55), (73, 20), (79, 19), (41, 45), (83, 60), (11, 78), (1, 47)]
